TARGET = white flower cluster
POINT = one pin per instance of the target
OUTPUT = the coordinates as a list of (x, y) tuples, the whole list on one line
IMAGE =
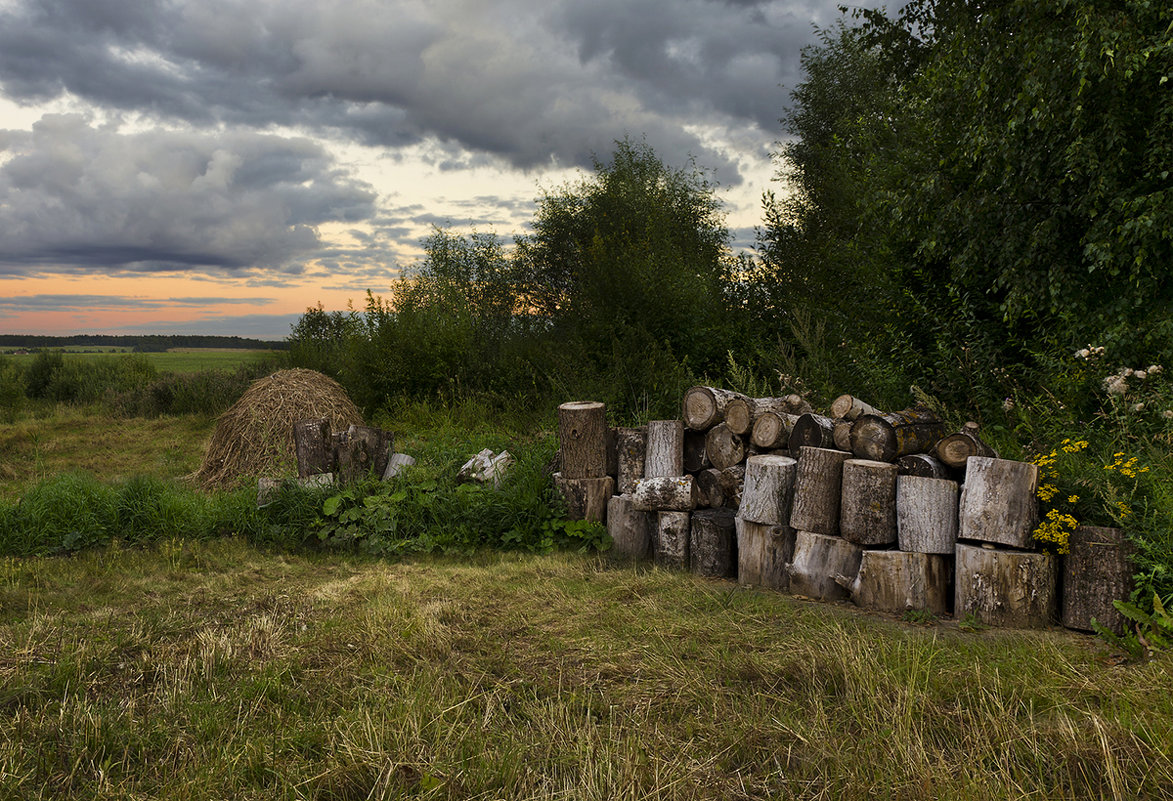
[(1117, 383), (1089, 353)]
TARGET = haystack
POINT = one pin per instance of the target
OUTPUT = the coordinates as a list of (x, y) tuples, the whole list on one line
[(255, 436)]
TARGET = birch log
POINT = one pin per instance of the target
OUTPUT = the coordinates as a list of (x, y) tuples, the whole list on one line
[(665, 493), (672, 539), (812, 431), (586, 498), (1014, 589), (723, 447), (713, 543), (665, 449), (896, 581), (817, 485), (999, 502), (631, 530), (867, 508), (887, 437), (818, 559), (582, 435), (772, 430), (768, 490), (763, 552), (631, 446), (850, 407), (311, 442), (396, 465), (1096, 571), (926, 514), (704, 407)]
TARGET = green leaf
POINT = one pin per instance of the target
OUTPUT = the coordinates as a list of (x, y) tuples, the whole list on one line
[(330, 505)]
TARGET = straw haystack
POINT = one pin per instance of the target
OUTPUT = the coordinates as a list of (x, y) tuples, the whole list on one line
[(255, 436)]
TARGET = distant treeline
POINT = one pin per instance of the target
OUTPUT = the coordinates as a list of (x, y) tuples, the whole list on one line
[(152, 343)]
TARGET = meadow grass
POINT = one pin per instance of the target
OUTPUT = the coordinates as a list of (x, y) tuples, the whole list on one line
[(216, 670), (178, 360)]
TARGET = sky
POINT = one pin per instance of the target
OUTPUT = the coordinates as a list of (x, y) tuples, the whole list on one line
[(218, 166)]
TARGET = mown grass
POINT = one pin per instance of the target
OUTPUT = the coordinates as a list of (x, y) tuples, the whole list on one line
[(216, 670)]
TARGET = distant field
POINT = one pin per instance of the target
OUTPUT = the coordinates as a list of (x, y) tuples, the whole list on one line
[(178, 360)]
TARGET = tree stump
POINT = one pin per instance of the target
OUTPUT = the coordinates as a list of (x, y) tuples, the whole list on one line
[(1096, 571), (926, 514), (772, 430), (768, 490), (867, 507), (723, 447), (999, 502), (896, 581), (817, 485), (923, 465), (582, 434), (696, 458), (665, 493), (311, 442), (887, 437), (849, 407), (672, 539), (704, 407), (763, 552), (665, 449), (586, 498), (713, 543), (818, 559), (1013, 589), (954, 449), (812, 431), (631, 446), (631, 530), (363, 451)]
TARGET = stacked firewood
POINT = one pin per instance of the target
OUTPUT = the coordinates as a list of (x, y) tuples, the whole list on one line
[(890, 510)]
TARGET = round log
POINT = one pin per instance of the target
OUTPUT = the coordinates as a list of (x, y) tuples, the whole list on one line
[(704, 407), (631, 446), (849, 407), (1013, 589), (582, 435), (926, 514), (887, 437), (1096, 571), (763, 552), (585, 498), (713, 543), (723, 447), (664, 493), (999, 502), (841, 435), (772, 430), (817, 484), (631, 530), (812, 431), (672, 540), (665, 449), (742, 413), (695, 457), (311, 442), (717, 488), (923, 465), (896, 581), (867, 507), (818, 559), (797, 405), (954, 449), (768, 490)]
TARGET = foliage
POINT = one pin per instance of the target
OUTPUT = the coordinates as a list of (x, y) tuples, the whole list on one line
[(1151, 631), (12, 389)]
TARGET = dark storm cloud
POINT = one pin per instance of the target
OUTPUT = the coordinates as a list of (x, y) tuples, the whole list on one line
[(534, 84), (72, 194)]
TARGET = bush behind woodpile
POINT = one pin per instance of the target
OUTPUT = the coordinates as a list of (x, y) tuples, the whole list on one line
[(255, 436)]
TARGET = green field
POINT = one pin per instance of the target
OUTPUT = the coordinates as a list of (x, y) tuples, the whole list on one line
[(177, 360)]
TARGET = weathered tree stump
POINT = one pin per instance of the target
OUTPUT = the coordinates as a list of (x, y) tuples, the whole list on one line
[(311, 442), (665, 493), (812, 431), (664, 455), (717, 488), (768, 490), (704, 407), (849, 407), (631, 530), (763, 552), (999, 502), (631, 446), (586, 498), (818, 559), (672, 539), (364, 451), (713, 543), (1013, 589), (954, 449), (772, 430), (723, 447), (867, 507), (887, 437), (817, 485), (926, 514), (1096, 571), (896, 581), (582, 434), (923, 465), (696, 458)]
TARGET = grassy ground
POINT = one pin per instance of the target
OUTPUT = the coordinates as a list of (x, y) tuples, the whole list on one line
[(179, 360), (195, 671)]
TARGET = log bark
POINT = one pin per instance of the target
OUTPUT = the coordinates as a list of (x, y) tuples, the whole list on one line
[(818, 559), (717, 488), (696, 458), (1013, 589), (631, 530), (812, 431), (954, 449), (999, 502), (311, 442), (850, 407), (763, 553), (396, 464), (867, 508), (772, 430), (723, 447), (896, 581), (704, 407), (665, 493), (364, 450), (582, 434), (926, 514), (665, 449), (1096, 571), (768, 490), (586, 498), (712, 548), (817, 485), (841, 435), (613, 452), (923, 465), (887, 437), (631, 445), (672, 540)]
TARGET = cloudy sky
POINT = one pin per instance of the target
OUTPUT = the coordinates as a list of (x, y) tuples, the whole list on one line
[(216, 166)]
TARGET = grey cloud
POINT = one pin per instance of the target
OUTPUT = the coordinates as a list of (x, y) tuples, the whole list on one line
[(114, 302), (257, 326)]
